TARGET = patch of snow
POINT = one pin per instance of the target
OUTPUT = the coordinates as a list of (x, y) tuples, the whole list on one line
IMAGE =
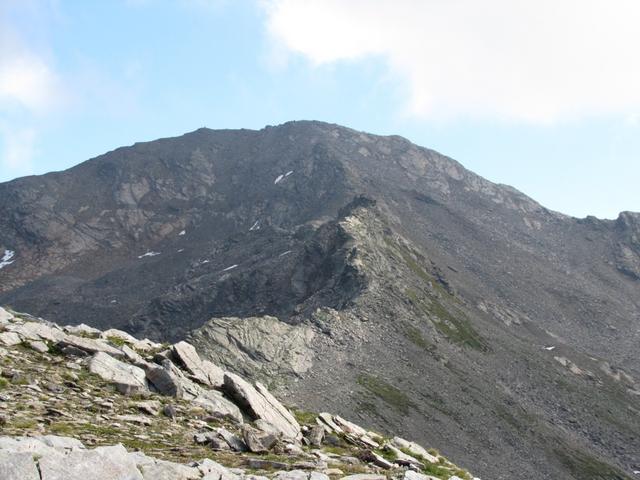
[(6, 258), (278, 179), (285, 253), (255, 226), (229, 268), (149, 254), (288, 173), (551, 348), (183, 232)]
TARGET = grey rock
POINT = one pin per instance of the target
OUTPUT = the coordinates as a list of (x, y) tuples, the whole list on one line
[(138, 419), (156, 469), (234, 441), (316, 435), (204, 372), (413, 448), (10, 339), (258, 441), (169, 411), (5, 317), (257, 345), (127, 378), (89, 345), (292, 475), (165, 381), (82, 329), (150, 407), (105, 463), (260, 404), (214, 471), (202, 438), (37, 331), (38, 346), (261, 464), (412, 475), (18, 466)]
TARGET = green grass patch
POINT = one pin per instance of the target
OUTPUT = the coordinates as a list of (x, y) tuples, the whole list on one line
[(456, 328), (303, 417), (389, 394)]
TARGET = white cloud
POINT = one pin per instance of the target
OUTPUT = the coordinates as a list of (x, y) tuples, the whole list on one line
[(520, 60), (26, 80)]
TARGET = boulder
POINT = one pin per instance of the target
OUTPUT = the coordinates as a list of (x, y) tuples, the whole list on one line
[(235, 442), (214, 471), (402, 458), (10, 339), (258, 441), (414, 449), (18, 466), (122, 336), (155, 469), (258, 403), (5, 317), (89, 345), (38, 346), (37, 331), (164, 382), (411, 475), (82, 329), (292, 475), (316, 435), (105, 463), (201, 371), (218, 406), (150, 407), (127, 378)]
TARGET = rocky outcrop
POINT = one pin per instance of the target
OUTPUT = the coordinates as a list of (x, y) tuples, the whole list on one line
[(257, 429), (202, 371), (261, 405), (259, 346)]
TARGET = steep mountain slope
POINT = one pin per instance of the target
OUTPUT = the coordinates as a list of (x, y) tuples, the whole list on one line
[(359, 271)]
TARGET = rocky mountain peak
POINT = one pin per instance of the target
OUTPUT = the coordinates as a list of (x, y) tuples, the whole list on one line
[(354, 272)]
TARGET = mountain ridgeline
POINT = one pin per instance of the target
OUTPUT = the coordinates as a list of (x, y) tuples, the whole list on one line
[(357, 272)]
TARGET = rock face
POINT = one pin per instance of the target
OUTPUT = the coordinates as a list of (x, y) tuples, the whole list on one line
[(261, 346), (391, 268)]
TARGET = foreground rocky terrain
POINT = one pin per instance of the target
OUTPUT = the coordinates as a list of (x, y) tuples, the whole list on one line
[(78, 403), (358, 274)]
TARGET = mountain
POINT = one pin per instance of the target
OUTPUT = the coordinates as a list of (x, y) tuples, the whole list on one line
[(356, 271)]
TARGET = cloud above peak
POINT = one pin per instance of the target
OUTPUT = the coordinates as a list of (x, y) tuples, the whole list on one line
[(535, 62)]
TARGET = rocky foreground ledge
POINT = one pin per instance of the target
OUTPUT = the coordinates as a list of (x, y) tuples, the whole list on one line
[(79, 403)]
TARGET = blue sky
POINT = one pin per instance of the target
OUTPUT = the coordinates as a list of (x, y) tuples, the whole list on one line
[(517, 95)]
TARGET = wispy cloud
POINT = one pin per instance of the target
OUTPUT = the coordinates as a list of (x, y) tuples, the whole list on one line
[(518, 60), (29, 90)]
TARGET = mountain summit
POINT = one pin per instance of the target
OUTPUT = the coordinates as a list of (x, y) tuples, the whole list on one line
[(357, 271)]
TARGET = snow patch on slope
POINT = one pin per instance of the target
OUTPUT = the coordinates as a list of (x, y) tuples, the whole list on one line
[(6, 258)]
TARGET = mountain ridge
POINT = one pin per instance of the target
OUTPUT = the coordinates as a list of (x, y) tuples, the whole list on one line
[(408, 270)]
